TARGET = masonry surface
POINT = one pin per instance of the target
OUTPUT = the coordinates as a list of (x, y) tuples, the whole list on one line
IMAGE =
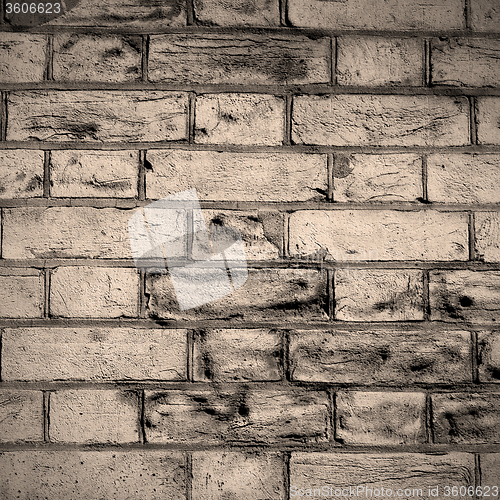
[(355, 145)]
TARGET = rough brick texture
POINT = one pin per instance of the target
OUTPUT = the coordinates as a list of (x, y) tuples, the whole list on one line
[(349, 339)]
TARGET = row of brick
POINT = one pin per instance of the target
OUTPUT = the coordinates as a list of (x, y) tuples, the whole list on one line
[(317, 14), (363, 356), (272, 59), (250, 119), (264, 177), (291, 295), (336, 235), (251, 416), (209, 475)]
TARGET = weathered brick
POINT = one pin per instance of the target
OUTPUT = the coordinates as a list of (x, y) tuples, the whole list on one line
[(228, 58), (487, 236), (487, 118), (490, 470), (489, 356), (237, 355), (21, 414), (414, 471), (379, 61), (97, 58), (89, 116), (237, 176), (389, 356), (94, 416), (66, 232), (100, 174), (378, 295), (93, 354), (471, 296), (23, 57), (380, 120), (22, 173), (125, 13), (268, 294), (377, 14), (466, 418), (239, 119), (261, 232), (87, 292), (235, 475), (347, 235), (237, 12), (449, 57), (82, 475), (485, 15), (463, 178), (21, 293), (236, 415), (377, 178), (380, 418)]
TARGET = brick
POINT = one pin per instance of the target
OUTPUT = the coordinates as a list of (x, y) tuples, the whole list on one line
[(487, 118), (236, 415), (471, 296), (368, 60), (463, 178), (377, 178), (234, 475), (378, 295), (91, 116), (239, 119), (94, 416), (380, 418), (231, 59), (97, 58), (89, 292), (377, 14), (221, 355), (348, 235), (449, 57), (489, 356), (23, 57), (96, 354), (100, 174), (237, 176), (415, 471), (487, 236), (125, 14), (21, 293), (21, 414), (380, 120), (66, 232), (390, 356), (485, 15), (268, 294), (490, 470), (81, 475), (237, 12), (261, 232), (22, 173), (466, 418)]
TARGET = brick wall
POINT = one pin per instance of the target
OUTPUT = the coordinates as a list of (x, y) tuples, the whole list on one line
[(355, 144)]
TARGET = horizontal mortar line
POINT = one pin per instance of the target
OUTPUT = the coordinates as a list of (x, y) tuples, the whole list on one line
[(237, 148), (278, 386), (323, 326), (309, 89), (313, 33), (131, 204), (291, 263)]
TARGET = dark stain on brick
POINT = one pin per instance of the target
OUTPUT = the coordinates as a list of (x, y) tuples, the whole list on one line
[(421, 365), (83, 130), (466, 301), (208, 365), (35, 182), (228, 117), (134, 42), (453, 426), (494, 372), (113, 52), (2, 188), (342, 166), (69, 43), (20, 176)]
